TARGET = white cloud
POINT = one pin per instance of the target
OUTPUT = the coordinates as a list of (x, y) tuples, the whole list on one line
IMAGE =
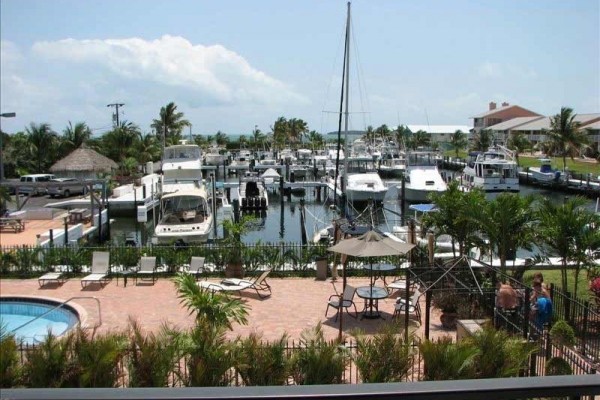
[(213, 73), (490, 69)]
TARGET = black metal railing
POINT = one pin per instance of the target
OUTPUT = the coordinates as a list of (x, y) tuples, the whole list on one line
[(571, 387)]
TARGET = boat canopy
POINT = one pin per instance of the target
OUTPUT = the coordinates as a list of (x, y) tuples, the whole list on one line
[(424, 208)]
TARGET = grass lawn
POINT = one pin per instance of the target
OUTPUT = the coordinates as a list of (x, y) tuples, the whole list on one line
[(553, 276)]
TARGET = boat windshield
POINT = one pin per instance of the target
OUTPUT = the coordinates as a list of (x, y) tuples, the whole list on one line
[(183, 153), (184, 203), (422, 159)]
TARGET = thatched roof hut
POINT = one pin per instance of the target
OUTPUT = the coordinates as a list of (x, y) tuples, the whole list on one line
[(83, 162)]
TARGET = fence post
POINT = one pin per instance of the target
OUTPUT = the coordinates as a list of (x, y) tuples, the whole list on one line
[(586, 308), (548, 350), (533, 362), (567, 300), (526, 311)]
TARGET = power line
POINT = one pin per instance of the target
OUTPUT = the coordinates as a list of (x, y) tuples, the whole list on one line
[(116, 115)]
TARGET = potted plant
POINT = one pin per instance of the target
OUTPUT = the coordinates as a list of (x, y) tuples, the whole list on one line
[(233, 241), (448, 301)]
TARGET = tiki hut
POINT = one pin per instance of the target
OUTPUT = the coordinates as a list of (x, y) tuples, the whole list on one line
[(83, 163)]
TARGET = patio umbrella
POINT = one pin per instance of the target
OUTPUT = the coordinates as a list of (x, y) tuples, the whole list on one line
[(370, 244)]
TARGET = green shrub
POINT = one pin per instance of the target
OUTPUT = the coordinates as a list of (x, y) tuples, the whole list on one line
[(262, 363)]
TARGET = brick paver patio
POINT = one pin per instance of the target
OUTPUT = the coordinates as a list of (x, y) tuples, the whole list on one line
[(295, 305)]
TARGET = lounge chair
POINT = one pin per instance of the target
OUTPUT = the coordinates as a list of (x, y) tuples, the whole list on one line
[(58, 277), (263, 289), (413, 306), (147, 269), (100, 267), (196, 267), (346, 300)]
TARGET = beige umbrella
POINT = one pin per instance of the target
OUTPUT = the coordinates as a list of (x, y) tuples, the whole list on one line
[(370, 244)]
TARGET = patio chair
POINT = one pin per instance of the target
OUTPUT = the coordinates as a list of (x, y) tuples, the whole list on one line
[(263, 289), (58, 277), (400, 285), (346, 300), (147, 270), (100, 267), (196, 267), (413, 306)]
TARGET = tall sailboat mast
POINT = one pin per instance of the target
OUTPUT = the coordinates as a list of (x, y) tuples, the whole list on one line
[(346, 112)]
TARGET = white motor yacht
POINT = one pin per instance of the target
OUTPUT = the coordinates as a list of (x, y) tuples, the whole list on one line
[(422, 176), (494, 170), (186, 215)]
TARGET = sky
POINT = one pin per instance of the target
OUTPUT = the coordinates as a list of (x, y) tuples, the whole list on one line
[(233, 65)]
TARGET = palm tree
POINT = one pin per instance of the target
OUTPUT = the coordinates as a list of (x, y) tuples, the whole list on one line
[(384, 132), (458, 141), (420, 139), (257, 138), (567, 230), (280, 131), (402, 136), (75, 136), (566, 139), (296, 130), (315, 139), (215, 309), (117, 144), (369, 134), (482, 140), (243, 141), (518, 142), (170, 124), (221, 138), (507, 222), (454, 215), (41, 140), (147, 148)]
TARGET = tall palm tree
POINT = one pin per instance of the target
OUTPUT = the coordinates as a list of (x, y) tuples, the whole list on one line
[(458, 141), (565, 136), (297, 128), (482, 140), (507, 222), (170, 124), (41, 140), (518, 142), (420, 139), (369, 134), (280, 131)]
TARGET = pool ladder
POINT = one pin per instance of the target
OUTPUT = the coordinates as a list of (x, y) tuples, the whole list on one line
[(62, 304)]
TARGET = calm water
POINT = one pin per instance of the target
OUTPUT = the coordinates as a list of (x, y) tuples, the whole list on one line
[(281, 222)]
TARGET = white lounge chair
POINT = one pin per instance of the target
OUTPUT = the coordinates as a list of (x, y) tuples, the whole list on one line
[(58, 277), (196, 267), (263, 289), (100, 269), (147, 269), (346, 300)]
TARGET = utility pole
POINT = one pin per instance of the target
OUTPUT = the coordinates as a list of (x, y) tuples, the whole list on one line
[(4, 115), (116, 105)]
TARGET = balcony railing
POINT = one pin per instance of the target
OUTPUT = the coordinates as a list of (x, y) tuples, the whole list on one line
[(573, 387)]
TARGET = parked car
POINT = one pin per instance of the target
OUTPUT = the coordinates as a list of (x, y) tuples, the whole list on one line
[(34, 178), (65, 187)]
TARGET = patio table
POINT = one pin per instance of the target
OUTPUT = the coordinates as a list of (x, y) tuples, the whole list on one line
[(379, 270), (125, 272), (371, 295)]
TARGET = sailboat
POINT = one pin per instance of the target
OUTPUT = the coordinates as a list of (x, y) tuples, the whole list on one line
[(359, 187)]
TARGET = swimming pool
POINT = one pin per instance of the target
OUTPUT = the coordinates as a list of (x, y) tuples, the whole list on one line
[(16, 312)]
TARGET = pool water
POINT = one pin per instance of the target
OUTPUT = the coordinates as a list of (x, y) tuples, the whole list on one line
[(15, 313)]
